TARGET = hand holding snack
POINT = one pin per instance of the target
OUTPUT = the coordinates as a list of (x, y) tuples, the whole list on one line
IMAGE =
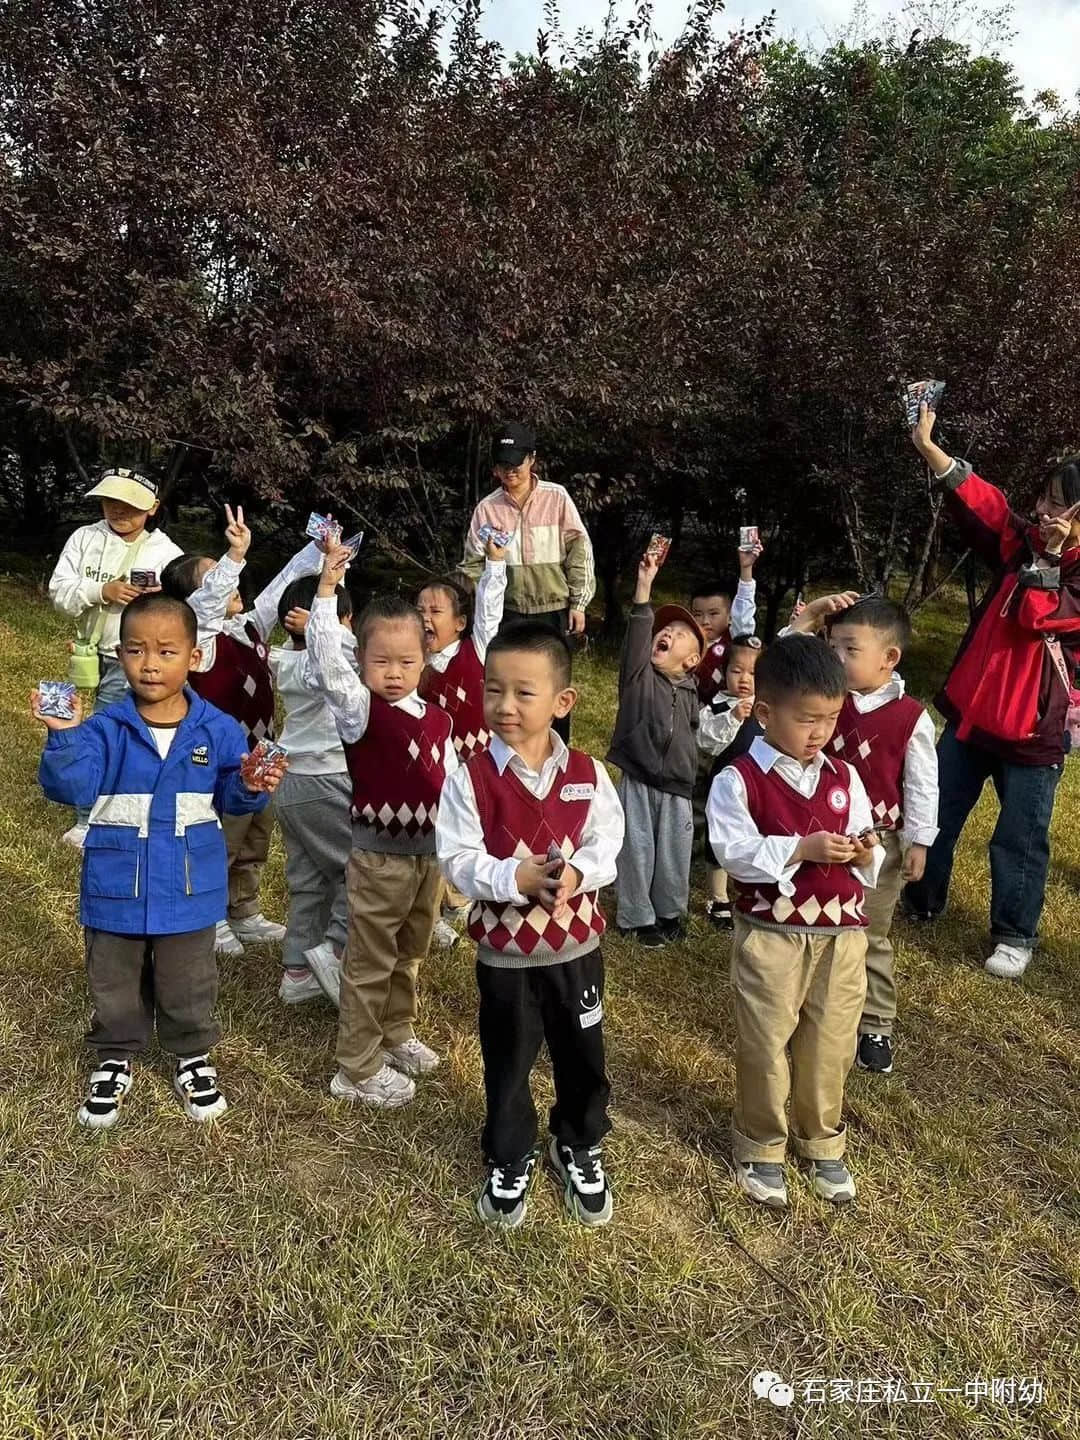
[(658, 546), (824, 848), (920, 393), (56, 704), (335, 562), (568, 881), (646, 575), (494, 551), (324, 530), (487, 533), (263, 769), (120, 592), (145, 581), (864, 845)]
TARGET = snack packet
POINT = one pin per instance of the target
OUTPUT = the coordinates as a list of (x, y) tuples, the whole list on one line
[(354, 543), (919, 391), (749, 538), (555, 855), (502, 538), (323, 528), (144, 579), (56, 698), (266, 752), (658, 547)]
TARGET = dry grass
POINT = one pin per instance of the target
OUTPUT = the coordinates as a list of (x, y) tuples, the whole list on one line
[(304, 1270)]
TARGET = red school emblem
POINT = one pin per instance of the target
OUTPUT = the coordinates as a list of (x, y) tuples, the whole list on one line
[(837, 799)]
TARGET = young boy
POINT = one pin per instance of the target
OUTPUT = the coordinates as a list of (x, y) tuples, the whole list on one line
[(399, 749), (654, 746), (313, 805), (92, 583), (792, 826), (156, 771), (889, 739), (536, 921)]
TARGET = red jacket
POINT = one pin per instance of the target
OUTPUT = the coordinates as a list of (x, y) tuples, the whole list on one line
[(1004, 691)]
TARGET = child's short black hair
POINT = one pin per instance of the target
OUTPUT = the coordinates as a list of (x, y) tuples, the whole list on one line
[(741, 642), (800, 665), (181, 578), (1068, 469), (300, 595), (705, 589), (149, 604), (878, 614), (536, 637), (460, 598), (386, 607)]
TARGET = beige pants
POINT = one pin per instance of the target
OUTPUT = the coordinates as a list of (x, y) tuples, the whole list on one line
[(805, 992), (247, 840), (880, 1009), (393, 902)]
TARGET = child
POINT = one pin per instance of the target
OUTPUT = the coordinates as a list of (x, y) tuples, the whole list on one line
[(889, 739), (92, 583), (312, 805), (718, 613), (536, 922), (793, 828), (654, 747), (398, 749), (726, 729), (157, 769), (234, 674)]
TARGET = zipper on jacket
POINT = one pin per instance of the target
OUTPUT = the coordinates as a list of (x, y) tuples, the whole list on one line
[(187, 868), (138, 862), (671, 723)]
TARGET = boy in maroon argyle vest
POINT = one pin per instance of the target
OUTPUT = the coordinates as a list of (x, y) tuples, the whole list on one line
[(792, 827), (530, 831), (889, 739), (399, 749)]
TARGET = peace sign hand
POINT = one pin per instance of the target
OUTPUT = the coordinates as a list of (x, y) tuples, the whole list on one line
[(237, 533)]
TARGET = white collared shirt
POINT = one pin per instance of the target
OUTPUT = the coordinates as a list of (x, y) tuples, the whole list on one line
[(920, 765), (346, 695), (487, 616), (754, 858), (459, 836)]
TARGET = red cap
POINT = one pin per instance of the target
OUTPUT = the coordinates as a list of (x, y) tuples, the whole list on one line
[(667, 614)]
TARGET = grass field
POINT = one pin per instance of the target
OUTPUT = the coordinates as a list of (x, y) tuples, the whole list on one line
[(305, 1270)]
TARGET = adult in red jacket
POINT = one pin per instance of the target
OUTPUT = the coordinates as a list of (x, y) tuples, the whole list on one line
[(1006, 696)]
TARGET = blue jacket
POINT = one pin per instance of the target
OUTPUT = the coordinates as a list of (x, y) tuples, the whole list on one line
[(154, 858)]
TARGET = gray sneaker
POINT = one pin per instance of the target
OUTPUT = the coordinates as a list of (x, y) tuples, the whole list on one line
[(831, 1179), (763, 1183)]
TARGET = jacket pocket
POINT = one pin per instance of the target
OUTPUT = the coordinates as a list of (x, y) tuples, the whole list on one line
[(111, 856), (204, 861)]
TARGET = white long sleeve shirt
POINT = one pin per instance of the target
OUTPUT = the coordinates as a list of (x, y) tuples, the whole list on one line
[(459, 836), (211, 600), (346, 695), (92, 556), (487, 616), (718, 724), (310, 733), (920, 766), (744, 609), (744, 852)]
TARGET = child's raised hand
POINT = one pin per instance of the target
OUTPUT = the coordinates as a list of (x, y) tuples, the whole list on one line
[(647, 569), (1054, 532), (749, 558), (495, 552), (54, 722), (924, 426), (296, 619), (336, 560), (237, 534)]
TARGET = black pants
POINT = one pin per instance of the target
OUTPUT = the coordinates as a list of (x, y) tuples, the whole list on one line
[(519, 1009), (558, 620), (135, 977)]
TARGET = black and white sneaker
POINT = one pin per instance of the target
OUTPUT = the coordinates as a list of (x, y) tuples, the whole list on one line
[(109, 1083), (505, 1198), (673, 927), (586, 1192), (718, 914), (650, 937), (875, 1054), (195, 1082)]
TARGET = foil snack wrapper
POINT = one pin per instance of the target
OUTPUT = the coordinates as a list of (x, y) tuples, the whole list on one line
[(144, 579), (658, 547), (56, 698), (749, 538), (266, 752), (323, 528), (502, 538), (555, 856), (930, 391)]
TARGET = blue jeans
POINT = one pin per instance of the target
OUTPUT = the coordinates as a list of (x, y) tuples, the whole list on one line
[(112, 686), (1019, 846)]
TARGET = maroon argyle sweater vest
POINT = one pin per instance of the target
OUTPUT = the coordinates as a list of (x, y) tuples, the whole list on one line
[(397, 770), (875, 746), (516, 823), (827, 898), (240, 683), (710, 672), (459, 690)]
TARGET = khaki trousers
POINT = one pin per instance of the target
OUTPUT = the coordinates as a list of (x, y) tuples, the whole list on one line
[(879, 1012), (393, 903), (805, 992), (247, 840)]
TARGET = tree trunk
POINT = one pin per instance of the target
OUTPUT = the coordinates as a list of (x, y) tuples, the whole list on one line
[(917, 582)]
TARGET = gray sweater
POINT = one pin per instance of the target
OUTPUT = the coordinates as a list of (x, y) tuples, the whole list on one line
[(655, 740)]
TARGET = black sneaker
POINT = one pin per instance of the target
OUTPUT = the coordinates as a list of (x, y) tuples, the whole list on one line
[(109, 1083), (875, 1053), (586, 1192), (505, 1198), (672, 928), (718, 914), (651, 937)]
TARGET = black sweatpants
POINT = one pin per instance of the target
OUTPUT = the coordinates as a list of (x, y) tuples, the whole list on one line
[(561, 1004), (134, 978), (558, 620)]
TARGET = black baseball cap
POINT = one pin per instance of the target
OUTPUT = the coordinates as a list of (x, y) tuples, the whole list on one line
[(512, 443)]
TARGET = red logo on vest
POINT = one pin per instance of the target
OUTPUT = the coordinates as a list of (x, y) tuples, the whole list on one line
[(837, 799)]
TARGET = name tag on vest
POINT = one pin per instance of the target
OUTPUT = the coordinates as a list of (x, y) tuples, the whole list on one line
[(577, 792)]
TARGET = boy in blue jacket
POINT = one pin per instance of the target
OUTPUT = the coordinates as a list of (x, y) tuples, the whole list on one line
[(156, 771)]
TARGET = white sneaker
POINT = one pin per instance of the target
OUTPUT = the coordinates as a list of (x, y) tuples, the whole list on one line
[(226, 943), (762, 1182), (295, 989), (75, 836), (258, 930), (457, 915), (412, 1057), (195, 1083), (387, 1088), (444, 935), (831, 1179), (1008, 961), (326, 967), (109, 1083)]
